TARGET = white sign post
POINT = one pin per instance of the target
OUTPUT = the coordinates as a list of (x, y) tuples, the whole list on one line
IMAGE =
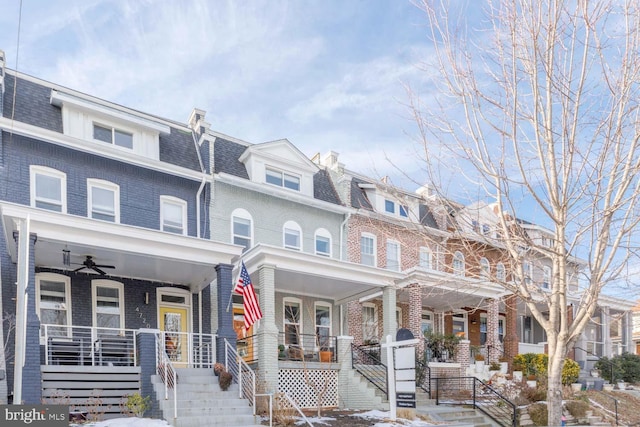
[(405, 363)]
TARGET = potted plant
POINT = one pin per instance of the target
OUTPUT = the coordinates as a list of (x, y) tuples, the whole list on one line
[(494, 366), (281, 354), (531, 380), (224, 380), (517, 372)]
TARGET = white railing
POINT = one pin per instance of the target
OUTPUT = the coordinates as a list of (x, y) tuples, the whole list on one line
[(283, 400), (524, 347), (167, 373), (189, 349), (86, 345), (242, 374)]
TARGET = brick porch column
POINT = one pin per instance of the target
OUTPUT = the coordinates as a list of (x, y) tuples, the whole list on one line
[(511, 340), (354, 321), (415, 314), (463, 356), (494, 346)]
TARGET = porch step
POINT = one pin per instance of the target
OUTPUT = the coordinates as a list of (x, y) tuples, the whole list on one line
[(458, 416), (360, 393), (201, 402)]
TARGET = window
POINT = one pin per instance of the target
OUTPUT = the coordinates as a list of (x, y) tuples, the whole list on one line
[(323, 242), (426, 323), (393, 255), (398, 317), (292, 236), (367, 250), (458, 264), (53, 303), (323, 324), (108, 305), (112, 135), (103, 198), (282, 179), (426, 258), (48, 189), (459, 324), (486, 230), (369, 322), (501, 274), (546, 277), (404, 211), (292, 321), (485, 268), (483, 328), (389, 206), (241, 228), (475, 226), (173, 215), (527, 269)]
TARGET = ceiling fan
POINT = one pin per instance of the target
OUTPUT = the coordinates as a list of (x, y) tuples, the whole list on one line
[(90, 264)]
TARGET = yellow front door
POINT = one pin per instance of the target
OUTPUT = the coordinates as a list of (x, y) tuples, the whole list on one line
[(174, 323)]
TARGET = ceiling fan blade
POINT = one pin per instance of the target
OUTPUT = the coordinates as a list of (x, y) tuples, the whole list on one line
[(95, 267), (104, 266)]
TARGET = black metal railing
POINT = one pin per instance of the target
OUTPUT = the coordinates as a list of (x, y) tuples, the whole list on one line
[(439, 351), (423, 377), (615, 404), (366, 361), (302, 348), (602, 360), (472, 391)]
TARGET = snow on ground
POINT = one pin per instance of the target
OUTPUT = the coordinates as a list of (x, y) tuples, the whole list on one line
[(126, 422)]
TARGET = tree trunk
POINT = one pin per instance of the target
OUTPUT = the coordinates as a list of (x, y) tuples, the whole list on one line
[(554, 388)]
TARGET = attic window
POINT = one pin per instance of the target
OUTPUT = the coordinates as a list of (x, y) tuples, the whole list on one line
[(282, 179), (112, 135)]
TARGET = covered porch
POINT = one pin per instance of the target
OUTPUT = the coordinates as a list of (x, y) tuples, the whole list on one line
[(88, 286)]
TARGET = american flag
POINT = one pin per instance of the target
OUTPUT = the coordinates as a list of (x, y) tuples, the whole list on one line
[(244, 287)]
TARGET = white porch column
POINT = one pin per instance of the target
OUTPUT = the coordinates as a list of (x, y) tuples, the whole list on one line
[(267, 335), (627, 334), (389, 326), (606, 332)]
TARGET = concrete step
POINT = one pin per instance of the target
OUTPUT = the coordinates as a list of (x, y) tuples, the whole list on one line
[(218, 421)]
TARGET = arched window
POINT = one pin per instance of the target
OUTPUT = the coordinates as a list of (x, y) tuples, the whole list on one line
[(292, 236), (48, 188), (458, 264), (292, 321), (485, 268), (501, 274), (241, 228), (103, 200), (53, 303), (173, 215), (426, 258), (108, 305)]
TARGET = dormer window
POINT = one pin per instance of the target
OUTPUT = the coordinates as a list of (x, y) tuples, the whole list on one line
[(113, 136), (390, 208), (404, 211), (282, 179)]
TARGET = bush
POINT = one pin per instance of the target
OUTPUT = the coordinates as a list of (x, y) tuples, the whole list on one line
[(138, 405), (626, 367), (577, 408), (224, 380), (538, 414), (534, 394), (570, 371)]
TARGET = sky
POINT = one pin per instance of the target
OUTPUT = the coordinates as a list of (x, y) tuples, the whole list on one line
[(324, 74)]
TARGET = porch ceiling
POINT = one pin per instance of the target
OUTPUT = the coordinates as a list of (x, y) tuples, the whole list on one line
[(135, 252), (306, 274)]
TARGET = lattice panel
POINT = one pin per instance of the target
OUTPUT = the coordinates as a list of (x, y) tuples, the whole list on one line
[(300, 385)]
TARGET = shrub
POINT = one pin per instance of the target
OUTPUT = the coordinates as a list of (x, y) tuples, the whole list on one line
[(538, 414), (534, 394), (494, 366), (626, 367), (527, 362), (479, 357), (570, 371), (138, 405), (224, 380), (577, 408)]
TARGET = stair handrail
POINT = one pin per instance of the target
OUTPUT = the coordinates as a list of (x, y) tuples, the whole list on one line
[(423, 376), (294, 405), (167, 373), (615, 404), (242, 374), (368, 359), (600, 359)]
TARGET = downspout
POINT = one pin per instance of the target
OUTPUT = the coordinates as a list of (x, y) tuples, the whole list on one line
[(202, 184), (342, 225)]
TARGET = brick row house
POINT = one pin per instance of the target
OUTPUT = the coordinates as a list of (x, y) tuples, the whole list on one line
[(123, 233)]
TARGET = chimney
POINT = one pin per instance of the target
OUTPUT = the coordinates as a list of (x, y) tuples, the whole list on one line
[(197, 122), (330, 160)]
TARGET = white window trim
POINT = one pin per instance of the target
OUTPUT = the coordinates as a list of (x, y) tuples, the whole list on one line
[(502, 318), (114, 128), (54, 277), (321, 232), (375, 248), (375, 332), (485, 273), (465, 317), (242, 214), (174, 201), (104, 283), (546, 275), (43, 170), (527, 267), (300, 330), (458, 256), (501, 271), (283, 175), (425, 250), (324, 305), (398, 317), (293, 226), (431, 321), (397, 250), (106, 185)]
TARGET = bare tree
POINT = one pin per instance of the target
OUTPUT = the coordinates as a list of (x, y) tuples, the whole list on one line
[(536, 103)]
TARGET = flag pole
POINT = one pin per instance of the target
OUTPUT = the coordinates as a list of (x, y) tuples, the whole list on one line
[(232, 291)]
